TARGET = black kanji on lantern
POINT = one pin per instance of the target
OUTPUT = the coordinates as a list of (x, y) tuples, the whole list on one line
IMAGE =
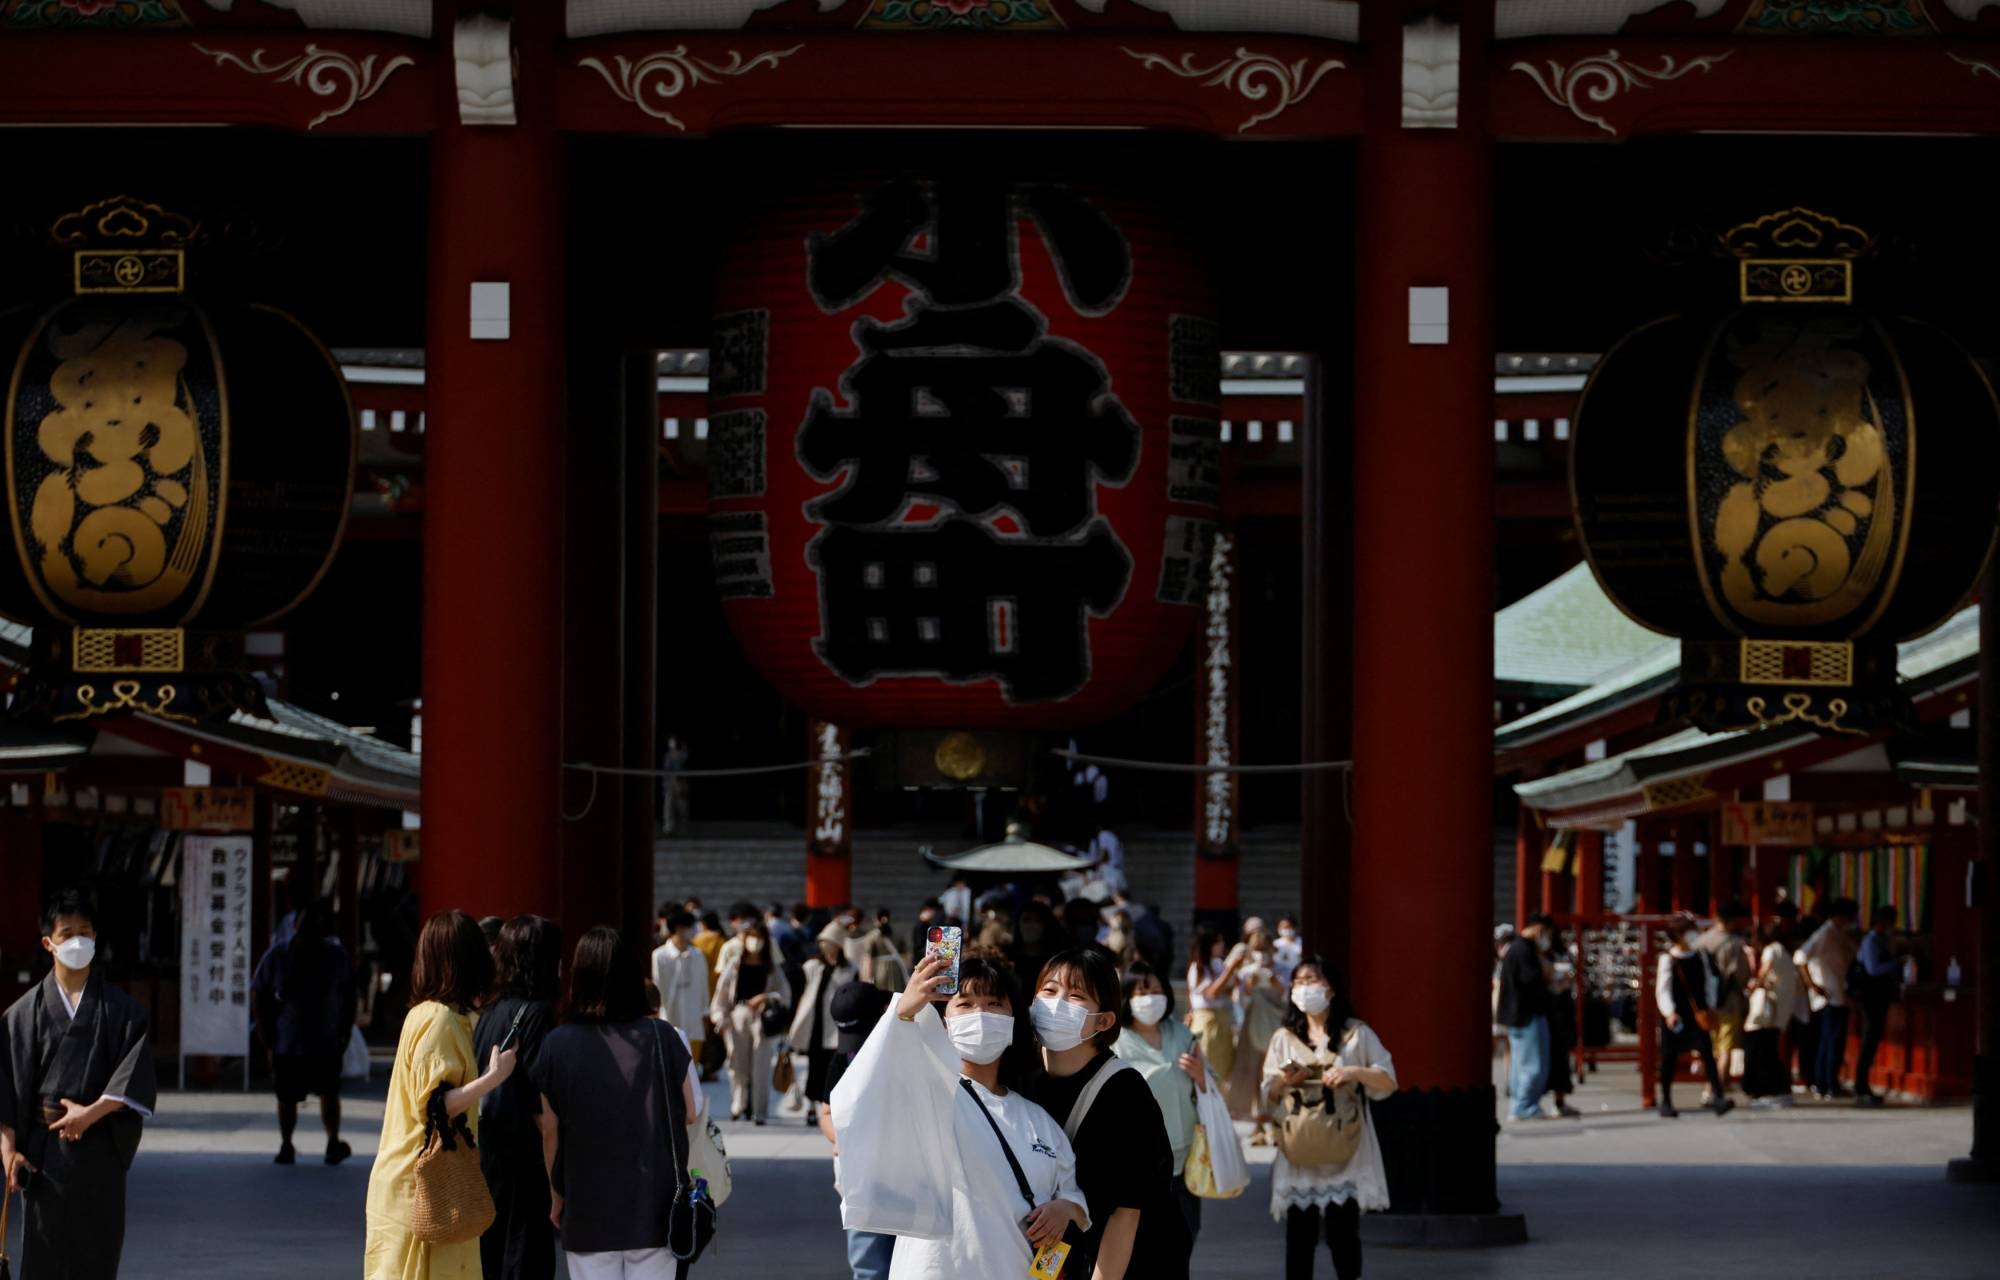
[(967, 405)]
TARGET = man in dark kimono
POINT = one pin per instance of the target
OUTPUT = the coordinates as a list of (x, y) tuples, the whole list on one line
[(76, 1083)]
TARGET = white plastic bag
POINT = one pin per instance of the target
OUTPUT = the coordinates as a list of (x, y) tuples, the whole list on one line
[(354, 1062), (893, 1114), (1225, 1149)]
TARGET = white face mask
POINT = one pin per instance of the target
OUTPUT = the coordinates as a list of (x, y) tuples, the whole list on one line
[(1149, 1009), (1059, 1025), (1690, 939), (1543, 942), (980, 1037), (753, 945), (76, 953), (1286, 932), (1312, 999)]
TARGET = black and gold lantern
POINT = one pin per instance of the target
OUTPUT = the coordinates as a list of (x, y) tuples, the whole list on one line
[(1790, 486), (176, 471)]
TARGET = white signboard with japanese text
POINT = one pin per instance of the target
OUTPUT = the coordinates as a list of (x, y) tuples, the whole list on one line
[(216, 963)]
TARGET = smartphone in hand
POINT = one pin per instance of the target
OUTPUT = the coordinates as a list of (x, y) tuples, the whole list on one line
[(946, 942)]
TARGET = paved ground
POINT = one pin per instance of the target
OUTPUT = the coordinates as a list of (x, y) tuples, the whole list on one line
[(1818, 1192)]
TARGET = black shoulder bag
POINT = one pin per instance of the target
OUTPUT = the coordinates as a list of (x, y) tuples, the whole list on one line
[(1082, 1256), (691, 1218)]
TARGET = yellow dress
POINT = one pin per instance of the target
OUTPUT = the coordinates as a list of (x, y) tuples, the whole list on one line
[(435, 1048)]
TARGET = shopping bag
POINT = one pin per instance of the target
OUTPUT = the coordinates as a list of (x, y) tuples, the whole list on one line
[(354, 1061), (1222, 1172), (708, 1158)]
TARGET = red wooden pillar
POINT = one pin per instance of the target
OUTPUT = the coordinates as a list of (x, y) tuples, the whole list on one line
[(1422, 871), (1558, 887), (492, 610), (1590, 875), (1683, 869), (1647, 881), (1527, 867)]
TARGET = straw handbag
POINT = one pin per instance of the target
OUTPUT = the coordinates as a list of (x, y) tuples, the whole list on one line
[(450, 1204)]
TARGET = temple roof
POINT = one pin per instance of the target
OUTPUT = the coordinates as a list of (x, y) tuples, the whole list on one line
[(1567, 635)]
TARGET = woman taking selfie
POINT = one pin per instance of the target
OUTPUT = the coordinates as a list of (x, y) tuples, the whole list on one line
[(1329, 1167), (1122, 1154), (748, 979), (1168, 1059), (932, 1145), (616, 1098), (453, 969)]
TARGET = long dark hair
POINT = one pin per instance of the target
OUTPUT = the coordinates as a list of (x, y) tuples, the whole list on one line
[(1338, 1010), (1205, 942), (607, 980), (453, 965), (763, 957), (1096, 970), (989, 974), (526, 959)]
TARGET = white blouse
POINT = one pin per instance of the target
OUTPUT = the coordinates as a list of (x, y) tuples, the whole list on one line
[(1196, 979), (918, 1159), (1362, 1178)]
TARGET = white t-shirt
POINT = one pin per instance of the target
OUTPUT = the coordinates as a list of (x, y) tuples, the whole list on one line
[(1196, 979)]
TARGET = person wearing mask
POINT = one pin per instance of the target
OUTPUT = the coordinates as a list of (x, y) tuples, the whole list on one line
[(521, 1243), (1261, 998), (1210, 983), (1775, 1001), (1038, 935), (1726, 946), (993, 928), (794, 945), (1287, 950), (303, 993), (76, 1088), (681, 975), (1523, 1008), (1167, 1057), (979, 1176), (1123, 1158), (616, 1098), (435, 1067), (1881, 982), (813, 1032), (856, 1007), (748, 981), (1116, 936), (1825, 958), (1681, 989), (1324, 1045)]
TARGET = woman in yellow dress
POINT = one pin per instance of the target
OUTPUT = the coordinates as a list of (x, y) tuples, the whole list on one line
[(453, 969)]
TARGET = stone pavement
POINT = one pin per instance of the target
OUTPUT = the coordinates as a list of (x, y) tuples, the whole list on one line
[(1816, 1191)]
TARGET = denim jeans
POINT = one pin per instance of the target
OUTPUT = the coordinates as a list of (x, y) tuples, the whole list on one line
[(868, 1254), (1528, 1066)]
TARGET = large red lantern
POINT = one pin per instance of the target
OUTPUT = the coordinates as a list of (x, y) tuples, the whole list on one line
[(963, 444)]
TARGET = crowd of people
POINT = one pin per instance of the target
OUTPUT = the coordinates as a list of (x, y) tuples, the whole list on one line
[(1774, 996), (1036, 1100)]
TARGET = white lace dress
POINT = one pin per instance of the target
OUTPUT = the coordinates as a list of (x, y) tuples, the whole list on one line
[(1317, 1185)]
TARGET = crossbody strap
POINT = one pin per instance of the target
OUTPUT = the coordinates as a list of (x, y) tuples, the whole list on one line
[(1006, 1147), (676, 1147), (1081, 1108)]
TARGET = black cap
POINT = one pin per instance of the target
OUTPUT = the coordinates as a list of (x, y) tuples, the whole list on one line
[(858, 1006)]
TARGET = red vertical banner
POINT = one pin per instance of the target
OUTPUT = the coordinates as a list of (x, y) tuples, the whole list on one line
[(829, 818), (1217, 822)]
